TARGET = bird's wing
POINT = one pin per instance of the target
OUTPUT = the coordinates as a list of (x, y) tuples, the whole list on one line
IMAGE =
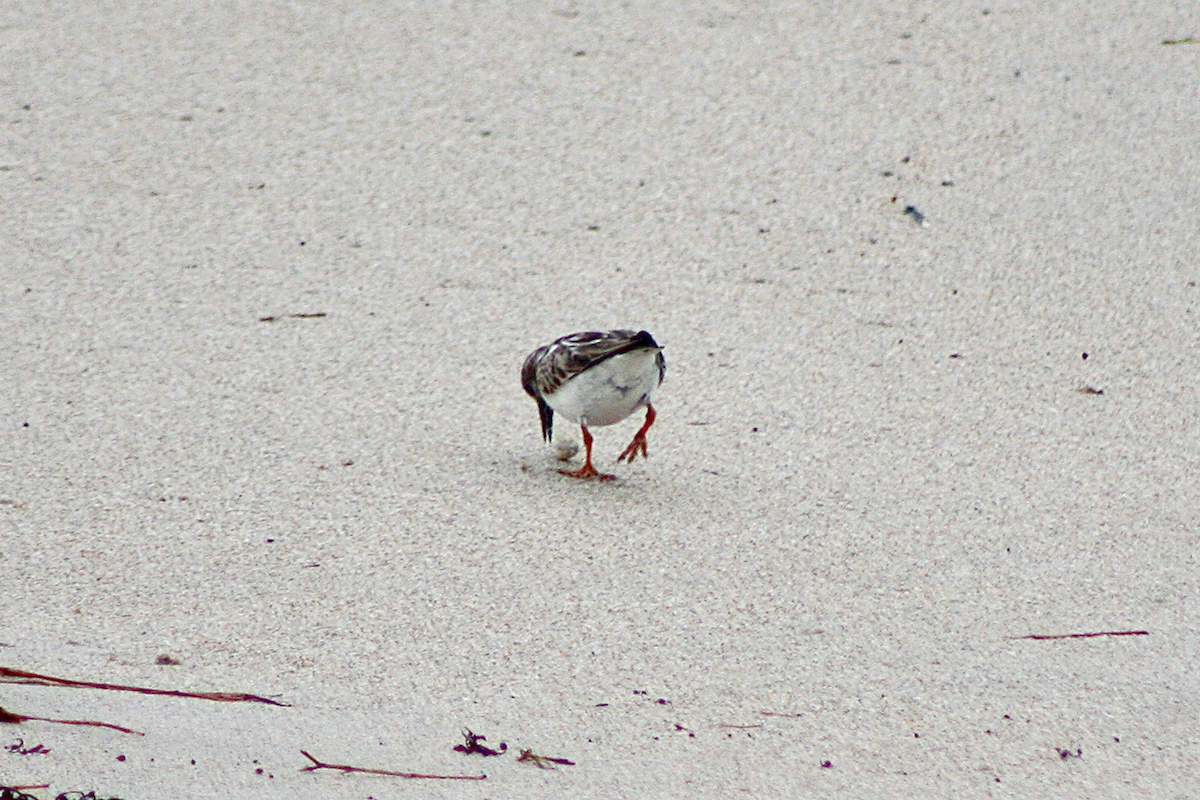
[(571, 355)]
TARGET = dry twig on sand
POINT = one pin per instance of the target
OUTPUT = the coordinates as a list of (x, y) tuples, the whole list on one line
[(316, 765), (19, 676), (14, 718), (1082, 635), (543, 762)]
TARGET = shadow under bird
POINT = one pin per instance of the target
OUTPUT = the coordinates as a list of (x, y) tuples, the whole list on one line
[(596, 378)]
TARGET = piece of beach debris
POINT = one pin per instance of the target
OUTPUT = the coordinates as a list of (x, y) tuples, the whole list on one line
[(916, 215), (20, 676), (12, 717), (16, 793), (317, 315), (543, 762), (1083, 635), (1089, 390), (691, 734), (316, 765), (472, 745), (1064, 754), (20, 749)]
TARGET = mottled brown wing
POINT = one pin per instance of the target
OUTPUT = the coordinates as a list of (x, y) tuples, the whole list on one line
[(571, 355)]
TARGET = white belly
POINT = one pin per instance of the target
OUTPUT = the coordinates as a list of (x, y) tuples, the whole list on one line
[(610, 391)]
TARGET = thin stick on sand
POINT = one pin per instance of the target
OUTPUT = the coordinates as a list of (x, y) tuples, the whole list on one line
[(1083, 635), (543, 762), (15, 718), (20, 676), (316, 765)]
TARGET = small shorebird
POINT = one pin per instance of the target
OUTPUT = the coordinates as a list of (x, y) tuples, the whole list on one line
[(596, 378)]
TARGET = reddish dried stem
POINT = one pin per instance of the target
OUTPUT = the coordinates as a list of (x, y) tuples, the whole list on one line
[(19, 676), (15, 718), (1083, 635)]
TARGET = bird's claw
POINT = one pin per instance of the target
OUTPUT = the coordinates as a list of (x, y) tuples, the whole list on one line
[(587, 471), (631, 452)]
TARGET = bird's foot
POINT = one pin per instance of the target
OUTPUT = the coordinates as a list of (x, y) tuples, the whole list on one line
[(587, 471), (637, 445)]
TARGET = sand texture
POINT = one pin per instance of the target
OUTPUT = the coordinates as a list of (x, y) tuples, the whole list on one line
[(926, 279)]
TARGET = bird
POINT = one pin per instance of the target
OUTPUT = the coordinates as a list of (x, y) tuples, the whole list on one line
[(596, 378)]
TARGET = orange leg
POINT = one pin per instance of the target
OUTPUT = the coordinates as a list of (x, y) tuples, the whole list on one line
[(587, 470), (639, 438)]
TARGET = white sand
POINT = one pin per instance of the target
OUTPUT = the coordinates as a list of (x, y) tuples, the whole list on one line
[(872, 467)]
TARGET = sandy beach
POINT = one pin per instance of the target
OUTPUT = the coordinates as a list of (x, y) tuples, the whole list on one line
[(927, 282)]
